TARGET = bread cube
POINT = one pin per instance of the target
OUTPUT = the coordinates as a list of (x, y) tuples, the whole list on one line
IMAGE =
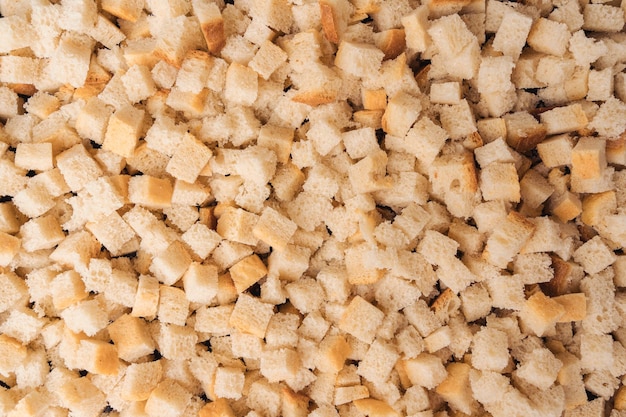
[(541, 313), (425, 370), (241, 85), (566, 206), (506, 292), (456, 389), (237, 225), (98, 357), (171, 264), (34, 156), (379, 361), (10, 247), (78, 167), (490, 350), (457, 119), (279, 365), (415, 27), (306, 294), (70, 61), (445, 93), (499, 181), (512, 33), (549, 36), (81, 397), (602, 18), (176, 342), (214, 320), (594, 255), (251, 315), (173, 305), (359, 59), (510, 237), (189, 159), (211, 23), (168, 399), (354, 323), (140, 379), (540, 368), (139, 84), (247, 272), (268, 59), (67, 288), (600, 85), (131, 337), (85, 316), (400, 114)]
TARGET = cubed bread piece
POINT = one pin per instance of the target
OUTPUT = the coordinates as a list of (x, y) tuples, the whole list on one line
[(171, 264), (242, 85), (147, 297), (85, 316), (150, 192), (335, 16), (214, 320), (168, 399), (499, 181), (475, 302), (535, 189), (556, 151), (437, 248), (564, 119), (600, 85), (594, 255), (379, 361), (10, 247), (305, 294), (131, 337), (278, 139), (251, 315), (589, 158), (200, 283), (352, 320), (98, 357), (507, 239), (268, 59), (359, 59), (360, 142), (189, 159), (78, 167), (41, 233), (512, 34), (540, 368), (457, 119), (279, 364), (127, 10), (34, 156), (173, 306), (237, 225), (81, 397), (541, 313), (112, 232), (456, 390), (506, 291), (445, 93), (603, 18), (425, 370), (549, 36), (425, 140), (247, 272), (608, 120), (70, 61), (140, 379), (211, 23), (490, 350), (67, 288), (229, 382), (524, 132), (458, 52), (566, 206), (201, 239)]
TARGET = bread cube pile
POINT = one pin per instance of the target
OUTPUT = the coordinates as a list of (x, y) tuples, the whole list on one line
[(317, 208)]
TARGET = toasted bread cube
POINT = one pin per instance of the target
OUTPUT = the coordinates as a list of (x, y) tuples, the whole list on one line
[(140, 379), (499, 181), (201, 240), (549, 36), (589, 158), (564, 119), (131, 337), (168, 399), (374, 99), (127, 10), (150, 192), (171, 265), (189, 159), (247, 272), (278, 139), (41, 233), (445, 93), (218, 408), (78, 167), (373, 407), (214, 320), (81, 397), (361, 319), (9, 220), (10, 247), (279, 365), (334, 16), (456, 389), (173, 305), (415, 27), (566, 206), (333, 352), (603, 18), (274, 229), (236, 225), (541, 313), (98, 357), (344, 395), (574, 305), (93, 119), (535, 189), (251, 315), (34, 156)]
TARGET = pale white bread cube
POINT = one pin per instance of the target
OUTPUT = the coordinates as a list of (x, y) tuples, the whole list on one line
[(20, 70), (422, 318), (608, 119), (603, 18), (359, 59), (256, 165), (556, 151), (494, 151), (78, 167), (564, 119), (458, 52), (279, 364), (352, 319), (289, 264), (173, 306), (274, 228), (81, 397), (594, 255), (278, 139), (236, 225), (586, 50), (123, 130), (93, 119), (112, 232), (424, 370), (596, 352), (175, 342), (540, 368), (325, 135), (70, 61), (512, 33), (171, 264), (189, 159), (437, 248), (445, 92), (425, 140), (201, 240), (23, 324), (549, 36), (138, 83), (475, 302), (168, 399), (268, 59), (251, 315), (499, 181), (415, 27), (490, 350), (175, 37), (40, 233), (507, 239), (494, 75), (523, 131), (66, 289), (85, 316), (10, 247), (241, 85), (194, 72), (273, 13), (345, 395), (19, 33), (150, 192), (379, 361), (458, 120), (506, 291), (401, 112), (76, 250), (200, 282)]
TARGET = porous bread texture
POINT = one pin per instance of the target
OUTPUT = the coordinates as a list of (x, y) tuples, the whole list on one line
[(312, 208)]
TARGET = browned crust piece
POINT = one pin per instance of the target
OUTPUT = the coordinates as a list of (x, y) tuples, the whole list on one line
[(329, 22), (214, 35)]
